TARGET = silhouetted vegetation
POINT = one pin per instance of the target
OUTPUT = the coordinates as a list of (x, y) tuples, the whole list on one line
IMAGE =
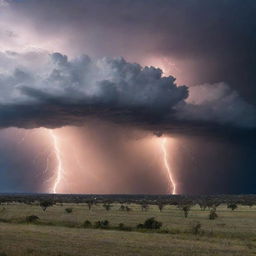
[(185, 208), (213, 215), (32, 219), (160, 206), (89, 204), (122, 227), (45, 204), (69, 210), (196, 228), (144, 206), (107, 206), (46, 200), (87, 224), (232, 206), (102, 224), (150, 223)]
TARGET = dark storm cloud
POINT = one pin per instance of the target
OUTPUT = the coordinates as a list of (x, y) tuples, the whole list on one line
[(211, 40), (54, 91)]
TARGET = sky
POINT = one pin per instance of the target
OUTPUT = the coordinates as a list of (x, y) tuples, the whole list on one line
[(127, 96)]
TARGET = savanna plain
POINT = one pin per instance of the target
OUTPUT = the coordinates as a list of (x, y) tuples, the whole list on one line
[(126, 228)]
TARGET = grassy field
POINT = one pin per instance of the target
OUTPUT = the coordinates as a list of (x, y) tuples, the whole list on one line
[(61, 233)]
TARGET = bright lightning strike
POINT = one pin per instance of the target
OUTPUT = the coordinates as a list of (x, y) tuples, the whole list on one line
[(163, 142), (59, 169)]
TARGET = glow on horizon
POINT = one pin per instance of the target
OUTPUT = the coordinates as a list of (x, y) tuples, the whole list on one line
[(172, 182)]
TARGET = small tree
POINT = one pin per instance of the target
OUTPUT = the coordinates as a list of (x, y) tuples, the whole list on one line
[(144, 206), (213, 215), (232, 206), (160, 206), (107, 206), (89, 204), (185, 209), (45, 204)]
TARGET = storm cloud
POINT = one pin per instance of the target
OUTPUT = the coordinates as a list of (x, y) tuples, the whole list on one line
[(55, 91)]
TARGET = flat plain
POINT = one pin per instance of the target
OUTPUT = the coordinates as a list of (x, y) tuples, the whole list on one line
[(58, 232)]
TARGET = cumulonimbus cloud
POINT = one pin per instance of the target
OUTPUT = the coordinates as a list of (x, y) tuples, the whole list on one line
[(41, 89)]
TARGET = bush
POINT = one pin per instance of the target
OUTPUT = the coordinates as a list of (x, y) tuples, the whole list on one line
[(140, 226), (69, 210), (150, 223), (121, 226), (3, 254), (32, 218), (87, 224), (122, 208), (128, 209), (196, 227), (213, 215), (102, 224), (45, 204), (232, 206), (107, 206)]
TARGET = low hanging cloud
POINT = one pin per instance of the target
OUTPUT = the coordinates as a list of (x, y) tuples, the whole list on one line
[(41, 89)]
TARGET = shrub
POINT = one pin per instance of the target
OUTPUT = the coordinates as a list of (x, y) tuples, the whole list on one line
[(140, 226), (32, 218), (102, 224), (107, 206), (213, 215), (69, 210), (122, 208), (232, 206), (144, 206), (45, 204), (128, 209), (87, 224), (3, 254), (196, 227), (121, 226), (150, 223)]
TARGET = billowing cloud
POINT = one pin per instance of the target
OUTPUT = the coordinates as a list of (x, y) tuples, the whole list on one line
[(41, 89), (217, 103)]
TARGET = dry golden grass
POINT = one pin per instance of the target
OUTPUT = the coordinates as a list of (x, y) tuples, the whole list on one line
[(233, 233)]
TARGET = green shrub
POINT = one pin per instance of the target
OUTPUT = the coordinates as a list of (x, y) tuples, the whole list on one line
[(150, 223), (87, 224), (32, 218), (140, 226), (45, 204), (69, 210), (102, 224), (232, 206)]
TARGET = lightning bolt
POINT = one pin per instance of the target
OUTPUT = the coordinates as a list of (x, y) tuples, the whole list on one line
[(172, 188), (59, 169)]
